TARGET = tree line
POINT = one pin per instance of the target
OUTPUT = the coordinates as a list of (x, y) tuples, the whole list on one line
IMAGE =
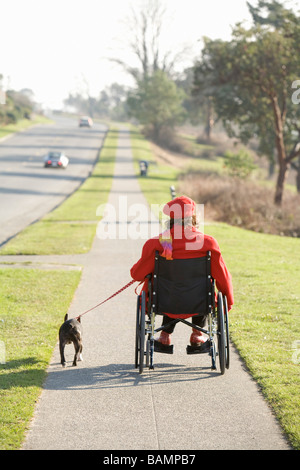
[(248, 83), (16, 105)]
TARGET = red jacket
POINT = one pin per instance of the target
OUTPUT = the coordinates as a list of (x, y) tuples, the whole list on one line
[(190, 237)]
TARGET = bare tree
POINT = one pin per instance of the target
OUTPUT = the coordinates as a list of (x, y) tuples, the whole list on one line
[(145, 25)]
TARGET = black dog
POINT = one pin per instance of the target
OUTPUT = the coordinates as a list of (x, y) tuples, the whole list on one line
[(70, 332)]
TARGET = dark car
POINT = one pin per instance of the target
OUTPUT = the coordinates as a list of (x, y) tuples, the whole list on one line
[(56, 159)]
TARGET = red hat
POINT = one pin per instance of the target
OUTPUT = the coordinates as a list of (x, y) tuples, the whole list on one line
[(180, 207)]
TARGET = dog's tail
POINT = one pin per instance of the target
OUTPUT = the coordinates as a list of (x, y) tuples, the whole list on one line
[(66, 318)]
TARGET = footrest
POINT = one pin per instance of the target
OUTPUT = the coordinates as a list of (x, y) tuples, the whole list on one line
[(163, 348), (202, 349)]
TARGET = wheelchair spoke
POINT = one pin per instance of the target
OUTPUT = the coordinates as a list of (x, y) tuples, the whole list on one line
[(137, 330), (142, 332)]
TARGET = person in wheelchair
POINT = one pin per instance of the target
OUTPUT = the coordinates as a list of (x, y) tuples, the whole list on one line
[(183, 240)]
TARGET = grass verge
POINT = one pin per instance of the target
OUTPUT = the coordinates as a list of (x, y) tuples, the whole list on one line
[(265, 321), (70, 229), (21, 125), (29, 319)]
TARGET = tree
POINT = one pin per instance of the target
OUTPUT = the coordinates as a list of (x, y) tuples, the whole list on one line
[(110, 104), (78, 102), (156, 101), (199, 107), (252, 77), (156, 104), (145, 25), (18, 105)]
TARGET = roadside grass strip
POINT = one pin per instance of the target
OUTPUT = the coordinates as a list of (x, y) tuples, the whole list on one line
[(32, 306), (265, 320), (71, 227), (21, 125)]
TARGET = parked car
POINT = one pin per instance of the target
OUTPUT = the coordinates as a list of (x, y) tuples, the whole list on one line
[(85, 121), (56, 159)]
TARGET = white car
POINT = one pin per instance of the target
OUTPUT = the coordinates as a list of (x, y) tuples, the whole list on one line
[(56, 159), (85, 121)]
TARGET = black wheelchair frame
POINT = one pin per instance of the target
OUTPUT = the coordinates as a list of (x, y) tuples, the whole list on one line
[(217, 319)]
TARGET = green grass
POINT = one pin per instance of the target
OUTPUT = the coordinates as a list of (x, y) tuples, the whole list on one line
[(203, 157), (21, 125), (48, 238), (65, 230), (265, 320), (30, 315), (192, 147)]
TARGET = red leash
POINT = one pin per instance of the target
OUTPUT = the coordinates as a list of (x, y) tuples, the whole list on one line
[(106, 300)]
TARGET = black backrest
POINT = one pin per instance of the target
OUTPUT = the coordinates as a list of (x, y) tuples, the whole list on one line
[(182, 286)]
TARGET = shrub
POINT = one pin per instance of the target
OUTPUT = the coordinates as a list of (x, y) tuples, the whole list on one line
[(239, 164), (11, 117), (243, 203)]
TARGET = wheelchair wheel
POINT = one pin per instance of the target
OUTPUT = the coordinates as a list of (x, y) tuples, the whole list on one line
[(221, 334), (137, 328), (226, 332), (140, 332)]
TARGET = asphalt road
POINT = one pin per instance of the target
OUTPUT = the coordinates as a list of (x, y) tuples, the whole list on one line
[(27, 189)]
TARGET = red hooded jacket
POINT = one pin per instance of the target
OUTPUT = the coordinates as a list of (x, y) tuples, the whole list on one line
[(191, 244)]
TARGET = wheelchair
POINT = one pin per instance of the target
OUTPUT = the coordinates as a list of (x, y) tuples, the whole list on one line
[(182, 286)]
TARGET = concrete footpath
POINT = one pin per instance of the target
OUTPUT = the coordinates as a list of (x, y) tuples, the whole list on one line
[(104, 404)]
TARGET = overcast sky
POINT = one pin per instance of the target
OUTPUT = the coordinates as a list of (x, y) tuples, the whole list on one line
[(55, 46)]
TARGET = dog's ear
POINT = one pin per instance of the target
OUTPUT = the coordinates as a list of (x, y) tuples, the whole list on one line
[(79, 319), (66, 317)]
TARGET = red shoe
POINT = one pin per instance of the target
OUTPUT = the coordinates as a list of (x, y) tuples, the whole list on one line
[(165, 338), (163, 343), (197, 338)]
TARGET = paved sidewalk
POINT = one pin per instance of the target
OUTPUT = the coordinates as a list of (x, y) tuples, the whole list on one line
[(105, 404)]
